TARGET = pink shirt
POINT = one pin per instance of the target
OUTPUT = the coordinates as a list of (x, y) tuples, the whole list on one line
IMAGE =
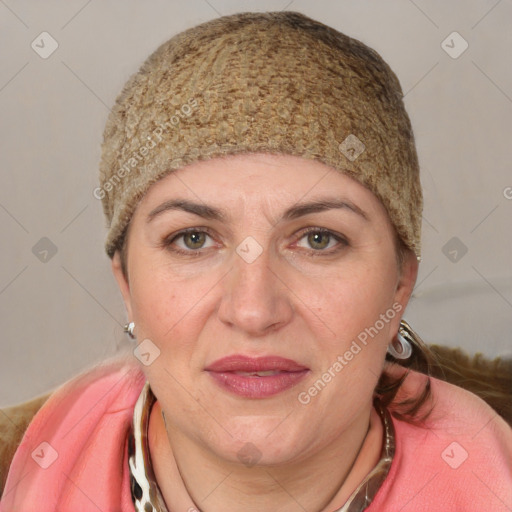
[(73, 456)]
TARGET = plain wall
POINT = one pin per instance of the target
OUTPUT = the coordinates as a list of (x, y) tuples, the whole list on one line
[(61, 315)]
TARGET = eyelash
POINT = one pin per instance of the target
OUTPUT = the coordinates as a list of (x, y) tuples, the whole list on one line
[(166, 242)]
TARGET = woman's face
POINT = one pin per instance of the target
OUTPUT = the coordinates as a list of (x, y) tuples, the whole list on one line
[(309, 295)]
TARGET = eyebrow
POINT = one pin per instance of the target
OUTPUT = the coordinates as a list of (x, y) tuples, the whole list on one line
[(294, 212)]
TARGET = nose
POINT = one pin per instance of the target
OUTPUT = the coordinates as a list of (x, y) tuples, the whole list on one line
[(255, 298)]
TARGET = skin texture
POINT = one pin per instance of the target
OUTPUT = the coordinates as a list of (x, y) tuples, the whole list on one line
[(294, 300)]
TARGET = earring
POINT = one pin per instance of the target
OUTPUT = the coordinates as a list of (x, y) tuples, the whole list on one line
[(128, 329), (405, 337)]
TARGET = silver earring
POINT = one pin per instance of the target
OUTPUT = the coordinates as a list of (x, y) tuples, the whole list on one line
[(128, 329), (405, 337)]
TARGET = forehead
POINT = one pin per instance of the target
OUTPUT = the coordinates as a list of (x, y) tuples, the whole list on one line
[(258, 180)]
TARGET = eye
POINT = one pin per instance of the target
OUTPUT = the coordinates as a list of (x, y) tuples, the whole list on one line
[(320, 239), (193, 240)]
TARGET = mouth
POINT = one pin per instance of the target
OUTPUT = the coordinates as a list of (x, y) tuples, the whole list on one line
[(258, 377), (264, 373)]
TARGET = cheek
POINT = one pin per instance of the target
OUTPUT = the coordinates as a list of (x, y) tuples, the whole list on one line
[(355, 299), (357, 315), (159, 305)]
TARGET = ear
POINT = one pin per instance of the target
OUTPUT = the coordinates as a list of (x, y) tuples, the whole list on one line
[(122, 282), (407, 279)]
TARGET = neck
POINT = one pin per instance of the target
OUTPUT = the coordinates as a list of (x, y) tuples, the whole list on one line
[(193, 478)]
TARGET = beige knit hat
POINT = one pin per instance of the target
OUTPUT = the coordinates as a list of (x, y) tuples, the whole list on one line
[(276, 82)]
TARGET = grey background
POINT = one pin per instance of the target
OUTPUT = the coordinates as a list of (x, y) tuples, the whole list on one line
[(61, 315)]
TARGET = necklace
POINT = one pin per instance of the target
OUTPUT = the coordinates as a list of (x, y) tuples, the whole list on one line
[(146, 494)]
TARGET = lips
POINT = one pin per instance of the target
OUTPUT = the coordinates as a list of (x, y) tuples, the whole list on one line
[(258, 377), (239, 363)]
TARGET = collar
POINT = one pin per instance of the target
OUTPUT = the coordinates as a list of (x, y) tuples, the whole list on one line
[(147, 496)]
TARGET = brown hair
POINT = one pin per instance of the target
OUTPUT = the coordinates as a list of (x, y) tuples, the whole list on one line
[(491, 380)]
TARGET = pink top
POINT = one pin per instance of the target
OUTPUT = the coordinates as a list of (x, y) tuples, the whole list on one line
[(73, 456)]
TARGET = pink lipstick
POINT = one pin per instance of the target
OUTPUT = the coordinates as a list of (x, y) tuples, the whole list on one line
[(256, 377)]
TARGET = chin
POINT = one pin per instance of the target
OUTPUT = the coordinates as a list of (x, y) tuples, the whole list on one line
[(257, 440)]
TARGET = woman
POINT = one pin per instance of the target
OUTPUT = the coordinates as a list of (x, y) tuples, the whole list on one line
[(261, 185)]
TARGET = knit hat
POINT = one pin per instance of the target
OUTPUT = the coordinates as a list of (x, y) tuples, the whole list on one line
[(276, 82)]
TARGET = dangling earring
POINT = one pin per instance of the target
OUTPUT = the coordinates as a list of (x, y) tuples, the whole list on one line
[(128, 329), (405, 337)]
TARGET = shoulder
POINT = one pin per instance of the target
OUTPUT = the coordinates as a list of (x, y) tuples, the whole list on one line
[(102, 386), (461, 457), (14, 421), (457, 413), (107, 387)]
